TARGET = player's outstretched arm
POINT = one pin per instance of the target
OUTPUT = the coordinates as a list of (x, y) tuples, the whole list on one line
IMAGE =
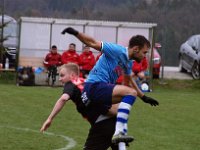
[(87, 40), (57, 108)]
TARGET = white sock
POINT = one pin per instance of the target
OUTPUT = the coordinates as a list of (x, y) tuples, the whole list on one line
[(122, 146), (122, 118), (125, 128)]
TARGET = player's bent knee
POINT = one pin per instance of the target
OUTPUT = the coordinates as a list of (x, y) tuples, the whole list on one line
[(121, 90), (133, 92)]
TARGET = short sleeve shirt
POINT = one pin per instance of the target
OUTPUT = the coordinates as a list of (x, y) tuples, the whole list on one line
[(73, 91), (113, 63)]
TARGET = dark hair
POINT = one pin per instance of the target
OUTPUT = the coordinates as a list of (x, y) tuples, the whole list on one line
[(86, 46), (139, 40), (53, 46), (73, 44)]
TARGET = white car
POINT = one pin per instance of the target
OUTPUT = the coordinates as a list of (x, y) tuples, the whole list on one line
[(189, 56), (10, 44)]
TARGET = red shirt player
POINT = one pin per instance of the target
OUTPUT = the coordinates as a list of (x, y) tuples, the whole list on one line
[(53, 58), (51, 62), (87, 61), (140, 68), (70, 55)]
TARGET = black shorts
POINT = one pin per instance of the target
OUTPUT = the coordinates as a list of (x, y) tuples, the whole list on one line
[(100, 135)]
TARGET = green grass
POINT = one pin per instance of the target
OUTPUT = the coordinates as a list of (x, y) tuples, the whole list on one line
[(7, 77), (174, 125)]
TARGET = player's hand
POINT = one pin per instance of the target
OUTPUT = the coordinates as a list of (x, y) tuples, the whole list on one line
[(150, 100), (70, 31), (46, 125)]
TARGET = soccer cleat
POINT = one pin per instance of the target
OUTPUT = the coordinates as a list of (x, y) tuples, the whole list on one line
[(122, 138)]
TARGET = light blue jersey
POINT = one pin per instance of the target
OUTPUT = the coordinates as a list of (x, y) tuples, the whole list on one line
[(113, 62)]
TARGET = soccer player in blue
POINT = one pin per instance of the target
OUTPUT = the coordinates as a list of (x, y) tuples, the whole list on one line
[(100, 85)]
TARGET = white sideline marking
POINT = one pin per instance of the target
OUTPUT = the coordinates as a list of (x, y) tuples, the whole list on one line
[(70, 145)]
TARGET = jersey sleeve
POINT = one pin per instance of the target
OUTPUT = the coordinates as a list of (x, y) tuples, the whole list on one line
[(68, 89)]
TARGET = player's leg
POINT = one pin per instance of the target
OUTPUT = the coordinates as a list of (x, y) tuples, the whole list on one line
[(106, 94), (102, 93), (122, 145), (48, 75), (100, 135), (54, 73), (128, 97)]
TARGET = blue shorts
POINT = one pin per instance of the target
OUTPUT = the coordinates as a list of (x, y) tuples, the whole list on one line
[(99, 93)]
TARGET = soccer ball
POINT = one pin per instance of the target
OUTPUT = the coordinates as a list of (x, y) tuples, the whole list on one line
[(145, 87)]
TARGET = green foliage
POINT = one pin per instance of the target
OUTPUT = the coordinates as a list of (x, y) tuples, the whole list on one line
[(174, 125)]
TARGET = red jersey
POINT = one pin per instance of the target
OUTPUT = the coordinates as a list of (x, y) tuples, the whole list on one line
[(97, 58), (52, 59), (138, 67), (70, 56), (87, 60)]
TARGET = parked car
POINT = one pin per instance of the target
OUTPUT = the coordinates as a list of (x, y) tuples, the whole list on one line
[(189, 56), (156, 61), (11, 42)]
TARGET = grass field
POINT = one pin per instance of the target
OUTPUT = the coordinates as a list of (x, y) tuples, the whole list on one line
[(174, 125)]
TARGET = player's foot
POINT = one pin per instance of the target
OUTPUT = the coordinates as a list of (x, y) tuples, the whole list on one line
[(121, 138)]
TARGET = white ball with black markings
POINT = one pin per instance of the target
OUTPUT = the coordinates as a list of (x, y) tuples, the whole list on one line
[(145, 87)]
